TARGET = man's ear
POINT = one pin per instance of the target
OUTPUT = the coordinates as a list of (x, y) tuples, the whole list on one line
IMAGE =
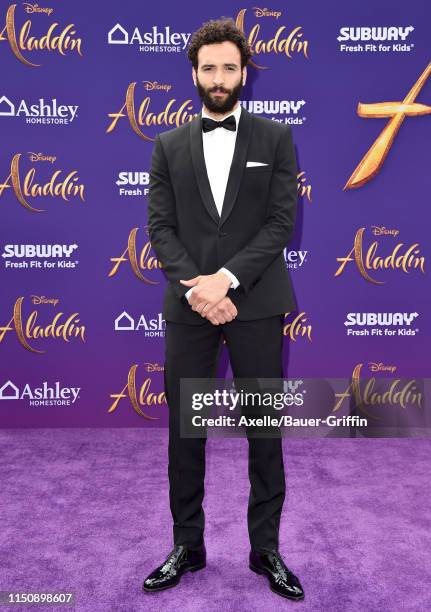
[(194, 76), (244, 75)]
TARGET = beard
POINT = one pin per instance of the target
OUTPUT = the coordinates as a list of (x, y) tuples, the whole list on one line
[(218, 104)]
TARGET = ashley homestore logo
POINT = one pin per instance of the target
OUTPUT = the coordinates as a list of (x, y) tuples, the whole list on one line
[(42, 111), (45, 395), (156, 39)]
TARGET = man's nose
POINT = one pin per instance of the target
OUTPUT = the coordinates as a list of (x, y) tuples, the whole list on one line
[(218, 78)]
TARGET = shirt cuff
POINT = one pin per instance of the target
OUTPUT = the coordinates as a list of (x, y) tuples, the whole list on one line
[(233, 278)]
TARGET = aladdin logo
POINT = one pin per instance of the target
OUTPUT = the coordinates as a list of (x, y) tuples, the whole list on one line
[(142, 397), (297, 327), (47, 113), (146, 262), (155, 40), (294, 259), (304, 189), (133, 179), (156, 86), (404, 259), (61, 327), (381, 367), (392, 396), (259, 12), (152, 328), (34, 252), (40, 396), (375, 33), (380, 323), (57, 186), (145, 118), (288, 43), (396, 112), (55, 40)]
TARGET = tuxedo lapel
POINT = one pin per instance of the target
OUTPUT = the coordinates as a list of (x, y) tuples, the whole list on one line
[(236, 170), (198, 159), (239, 161)]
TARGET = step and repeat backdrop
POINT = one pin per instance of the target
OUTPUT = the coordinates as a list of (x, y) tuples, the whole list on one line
[(85, 88)]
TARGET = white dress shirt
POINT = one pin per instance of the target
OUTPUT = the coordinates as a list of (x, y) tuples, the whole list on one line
[(219, 146)]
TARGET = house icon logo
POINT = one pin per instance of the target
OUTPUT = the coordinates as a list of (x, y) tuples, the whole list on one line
[(7, 109), (9, 391), (118, 36), (128, 325)]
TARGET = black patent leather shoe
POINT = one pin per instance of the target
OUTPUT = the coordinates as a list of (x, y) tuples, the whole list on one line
[(281, 580), (180, 560)]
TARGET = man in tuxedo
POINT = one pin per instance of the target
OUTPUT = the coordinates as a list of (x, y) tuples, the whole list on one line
[(222, 207)]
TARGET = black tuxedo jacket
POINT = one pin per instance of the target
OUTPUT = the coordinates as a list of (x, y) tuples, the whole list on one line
[(258, 216)]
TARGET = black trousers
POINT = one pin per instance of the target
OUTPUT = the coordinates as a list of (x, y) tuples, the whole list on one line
[(191, 351)]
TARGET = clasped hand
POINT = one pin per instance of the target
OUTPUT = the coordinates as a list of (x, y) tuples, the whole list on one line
[(209, 299)]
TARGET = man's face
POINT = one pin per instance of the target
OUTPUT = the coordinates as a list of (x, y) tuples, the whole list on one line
[(219, 77)]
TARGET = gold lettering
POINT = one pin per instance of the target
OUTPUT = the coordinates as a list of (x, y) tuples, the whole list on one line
[(297, 328), (149, 119), (410, 259), (292, 43), (146, 261), (53, 188), (374, 158), (303, 189), (145, 397), (61, 43), (403, 396), (31, 331)]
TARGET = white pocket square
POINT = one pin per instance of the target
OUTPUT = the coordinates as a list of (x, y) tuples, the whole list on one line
[(250, 164)]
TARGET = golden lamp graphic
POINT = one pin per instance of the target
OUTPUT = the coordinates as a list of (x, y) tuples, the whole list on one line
[(62, 327), (64, 187), (396, 112), (396, 394), (55, 40), (142, 398), (404, 258), (288, 43), (145, 262)]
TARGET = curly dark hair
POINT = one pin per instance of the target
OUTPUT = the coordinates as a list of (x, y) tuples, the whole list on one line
[(217, 31)]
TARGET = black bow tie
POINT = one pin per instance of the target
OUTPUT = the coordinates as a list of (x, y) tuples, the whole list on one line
[(209, 124)]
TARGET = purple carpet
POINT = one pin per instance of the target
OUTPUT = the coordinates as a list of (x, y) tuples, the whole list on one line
[(87, 510)]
